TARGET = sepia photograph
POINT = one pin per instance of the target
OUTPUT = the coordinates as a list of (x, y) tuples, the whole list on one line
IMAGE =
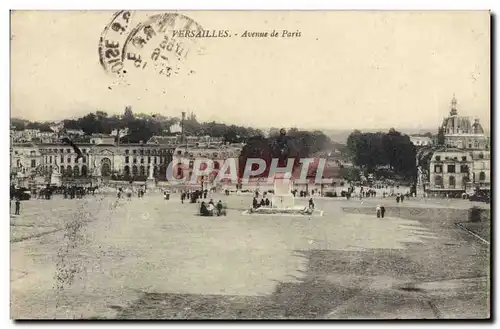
[(250, 165)]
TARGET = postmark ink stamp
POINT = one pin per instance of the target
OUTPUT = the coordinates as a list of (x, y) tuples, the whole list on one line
[(149, 45)]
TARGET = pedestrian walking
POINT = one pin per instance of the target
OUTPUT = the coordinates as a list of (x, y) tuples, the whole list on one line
[(382, 211), (18, 205), (379, 211)]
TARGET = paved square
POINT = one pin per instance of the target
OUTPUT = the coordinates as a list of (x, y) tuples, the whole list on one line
[(152, 258)]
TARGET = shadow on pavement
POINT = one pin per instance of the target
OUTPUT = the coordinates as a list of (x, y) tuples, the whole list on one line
[(378, 283)]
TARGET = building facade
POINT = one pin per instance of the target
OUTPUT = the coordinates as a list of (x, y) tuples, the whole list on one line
[(450, 170), (463, 164), (108, 160), (421, 140), (463, 133)]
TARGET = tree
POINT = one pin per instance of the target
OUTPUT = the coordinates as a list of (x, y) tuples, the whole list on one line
[(373, 150)]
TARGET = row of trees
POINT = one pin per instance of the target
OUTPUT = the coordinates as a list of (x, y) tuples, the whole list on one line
[(393, 150), (142, 126)]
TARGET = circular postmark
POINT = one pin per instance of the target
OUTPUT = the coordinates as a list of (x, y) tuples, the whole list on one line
[(155, 43)]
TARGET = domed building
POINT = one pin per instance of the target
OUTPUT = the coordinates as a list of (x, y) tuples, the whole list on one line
[(461, 132)]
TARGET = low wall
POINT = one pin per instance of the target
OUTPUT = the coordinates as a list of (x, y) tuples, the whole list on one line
[(415, 213)]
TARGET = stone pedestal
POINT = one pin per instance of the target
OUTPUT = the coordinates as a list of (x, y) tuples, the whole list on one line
[(55, 179), (150, 183), (283, 197)]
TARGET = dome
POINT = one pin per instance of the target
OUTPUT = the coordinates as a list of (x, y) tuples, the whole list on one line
[(477, 128)]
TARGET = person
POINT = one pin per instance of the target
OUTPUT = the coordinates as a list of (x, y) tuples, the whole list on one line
[(183, 197), (268, 203), (397, 198), (129, 193), (203, 209), (402, 198), (311, 203), (211, 202), (255, 203), (219, 208), (256, 194), (262, 203), (379, 211), (382, 211), (18, 205), (210, 209), (205, 194)]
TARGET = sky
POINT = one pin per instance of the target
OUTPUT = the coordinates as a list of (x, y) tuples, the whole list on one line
[(346, 70)]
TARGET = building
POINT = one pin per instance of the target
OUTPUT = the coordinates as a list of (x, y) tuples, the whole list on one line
[(25, 158), (218, 154), (463, 133), (106, 159), (190, 141), (481, 168), (98, 139), (464, 163), (450, 171), (421, 140)]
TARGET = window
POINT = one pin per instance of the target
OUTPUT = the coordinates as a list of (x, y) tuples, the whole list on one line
[(84, 151), (155, 159), (438, 181), (134, 152), (126, 151), (451, 169), (69, 160), (62, 159), (84, 160), (481, 156), (464, 169), (438, 169), (68, 150), (452, 181), (470, 145), (33, 163), (142, 160), (50, 159), (482, 176), (135, 161), (61, 150), (127, 159), (464, 158), (149, 159)]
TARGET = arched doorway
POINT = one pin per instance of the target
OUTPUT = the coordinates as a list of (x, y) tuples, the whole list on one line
[(84, 170), (105, 167), (134, 171), (482, 176), (69, 171), (142, 171), (126, 171), (76, 171)]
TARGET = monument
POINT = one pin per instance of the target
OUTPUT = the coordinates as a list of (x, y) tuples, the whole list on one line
[(150, 181), (55, 176), (283, 200)]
